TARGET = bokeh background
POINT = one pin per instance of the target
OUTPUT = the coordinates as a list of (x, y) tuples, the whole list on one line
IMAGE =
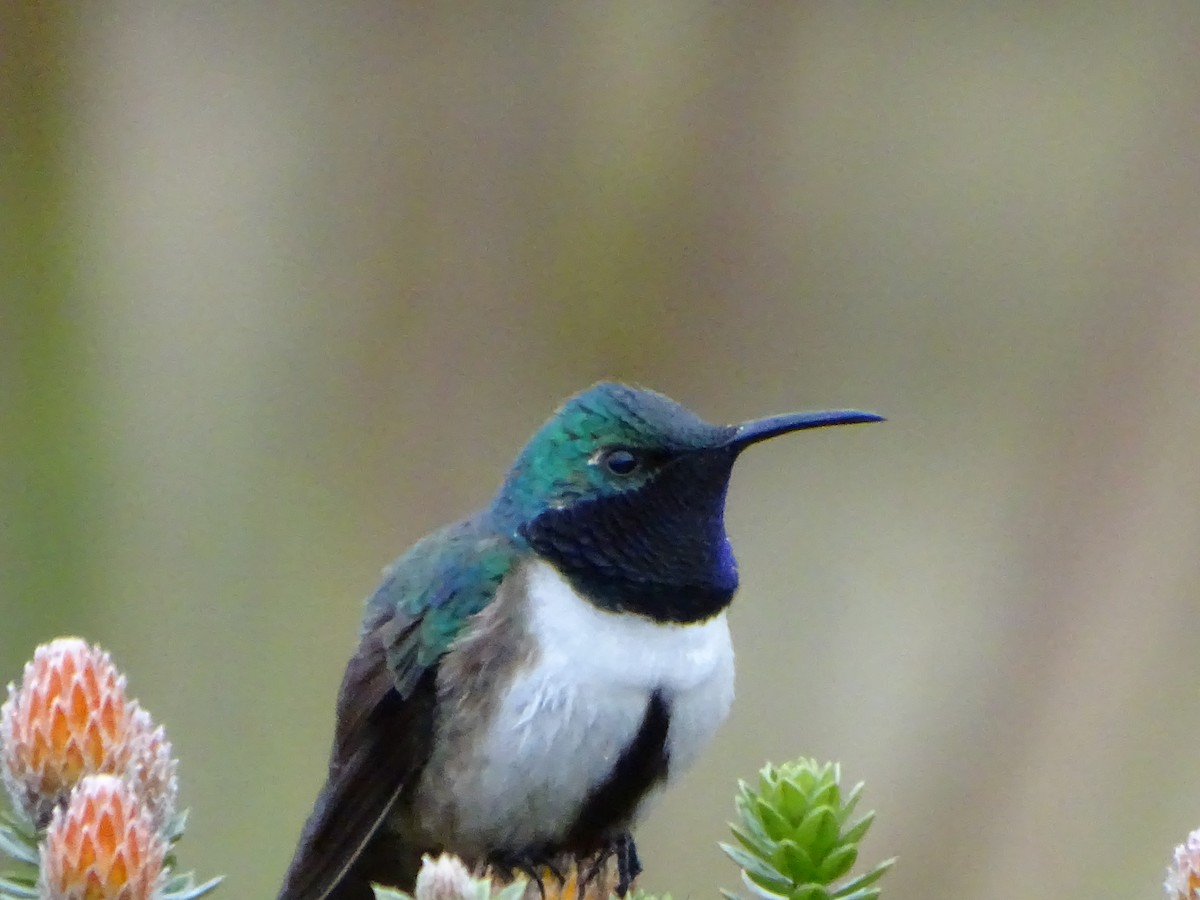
[(285, 286)]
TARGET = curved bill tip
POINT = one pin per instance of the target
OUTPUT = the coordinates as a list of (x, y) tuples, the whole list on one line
[(760, 429)]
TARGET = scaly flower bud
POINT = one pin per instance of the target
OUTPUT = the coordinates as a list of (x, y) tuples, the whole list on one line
[(68, 718), (152, 769), (444, 878), (102, 845), (1183, 875)]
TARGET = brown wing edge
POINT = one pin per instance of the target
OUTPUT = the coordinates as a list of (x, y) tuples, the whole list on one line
[(381, 743)]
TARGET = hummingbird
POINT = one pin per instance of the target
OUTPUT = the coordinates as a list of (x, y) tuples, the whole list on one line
[(529, 679)]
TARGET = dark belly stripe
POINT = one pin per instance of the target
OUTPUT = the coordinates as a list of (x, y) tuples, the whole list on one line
[(610, 804)]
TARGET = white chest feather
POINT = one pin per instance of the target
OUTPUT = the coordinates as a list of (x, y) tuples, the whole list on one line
[(568, 715)]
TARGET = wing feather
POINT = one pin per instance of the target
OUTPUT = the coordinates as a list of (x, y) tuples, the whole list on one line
[(381, 743), (386, 713)]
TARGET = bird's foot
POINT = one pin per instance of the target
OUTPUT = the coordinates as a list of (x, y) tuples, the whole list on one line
[(629, 867), (530, 863)]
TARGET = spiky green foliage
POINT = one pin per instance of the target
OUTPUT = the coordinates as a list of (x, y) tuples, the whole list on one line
[(183, 887), (795, 837), (19, 854), (18, 838)]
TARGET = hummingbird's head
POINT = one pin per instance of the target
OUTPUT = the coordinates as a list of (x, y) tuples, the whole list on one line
[(623, 490)]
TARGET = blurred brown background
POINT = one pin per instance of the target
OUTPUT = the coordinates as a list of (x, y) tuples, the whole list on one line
[(283, 287)]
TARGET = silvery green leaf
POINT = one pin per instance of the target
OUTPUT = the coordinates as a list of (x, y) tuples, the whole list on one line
[(865, 894), (17, 821), (176, 826), (191, 893), (18, 889), (826, 795), (758, 869), (17, 846), (512, 891), (180, 881), (751, 836), (754, 828), (766, 780), (851, 800), (850, 890), (855, 832), (382, 892), (760, 891)]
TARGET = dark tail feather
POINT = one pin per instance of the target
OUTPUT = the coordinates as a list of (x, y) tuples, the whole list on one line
[(381, 745), (330, 865)]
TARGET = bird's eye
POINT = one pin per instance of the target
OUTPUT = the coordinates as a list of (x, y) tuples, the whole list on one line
[(621, 462)]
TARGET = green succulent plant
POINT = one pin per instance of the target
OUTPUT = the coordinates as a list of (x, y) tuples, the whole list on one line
[(795, 837)]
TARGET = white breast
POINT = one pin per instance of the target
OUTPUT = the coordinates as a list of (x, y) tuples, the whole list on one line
[(566, 719)]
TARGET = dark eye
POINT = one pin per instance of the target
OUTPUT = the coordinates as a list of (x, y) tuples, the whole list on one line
[(621, 462)]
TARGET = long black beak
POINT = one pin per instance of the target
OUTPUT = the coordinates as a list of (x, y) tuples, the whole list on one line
[(760, 429)]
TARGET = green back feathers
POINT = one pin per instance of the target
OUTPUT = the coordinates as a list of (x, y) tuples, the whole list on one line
[(432, 591)]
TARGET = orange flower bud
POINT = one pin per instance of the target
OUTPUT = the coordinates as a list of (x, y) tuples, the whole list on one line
[(68, 718), (102, 845)]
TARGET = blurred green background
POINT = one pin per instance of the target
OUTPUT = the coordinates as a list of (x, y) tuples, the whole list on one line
[(285, 286)]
